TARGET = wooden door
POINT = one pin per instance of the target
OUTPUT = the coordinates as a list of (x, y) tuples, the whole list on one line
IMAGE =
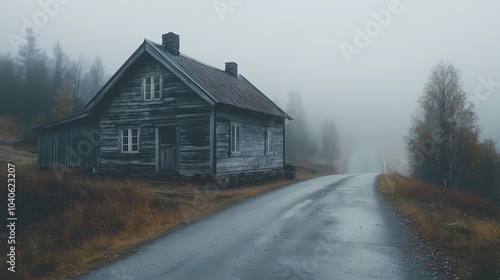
[(168, 149)]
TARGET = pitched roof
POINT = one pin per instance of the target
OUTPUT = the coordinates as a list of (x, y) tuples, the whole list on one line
[(64, 121), (213, 84)]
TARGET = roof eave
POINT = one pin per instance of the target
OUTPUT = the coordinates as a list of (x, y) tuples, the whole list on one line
[(222, 106), (116, 77), (283, 114), (62, 122)]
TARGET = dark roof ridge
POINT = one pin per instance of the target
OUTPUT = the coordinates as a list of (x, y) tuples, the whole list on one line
[(181, 54)]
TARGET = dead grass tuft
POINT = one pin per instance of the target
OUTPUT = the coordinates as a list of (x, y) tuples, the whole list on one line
[(466, 225)]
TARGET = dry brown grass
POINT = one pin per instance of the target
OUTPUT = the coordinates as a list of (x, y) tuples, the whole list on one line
[(11, 132), (467, 226), (10, 129), (9, 153), (82, 222)]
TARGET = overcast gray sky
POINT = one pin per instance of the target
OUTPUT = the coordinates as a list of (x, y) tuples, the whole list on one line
[(369, 90)]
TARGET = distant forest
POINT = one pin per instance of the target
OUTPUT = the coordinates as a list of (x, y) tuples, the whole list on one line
[(36, 87), (304, 144)]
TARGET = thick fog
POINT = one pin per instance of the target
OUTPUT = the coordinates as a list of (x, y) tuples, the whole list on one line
[(361, 63)]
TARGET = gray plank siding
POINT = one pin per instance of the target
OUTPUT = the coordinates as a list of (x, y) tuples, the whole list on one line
[(180, 107), (71, 145), (194, 149), (253, 156)]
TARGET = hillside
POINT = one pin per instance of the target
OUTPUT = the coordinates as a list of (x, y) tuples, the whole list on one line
[(12, 148)]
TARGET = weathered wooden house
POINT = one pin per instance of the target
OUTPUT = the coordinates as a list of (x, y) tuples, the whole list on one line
[(163, 112)]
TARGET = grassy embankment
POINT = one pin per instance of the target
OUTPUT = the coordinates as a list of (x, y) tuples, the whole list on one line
[(67, 227), (466, 226)]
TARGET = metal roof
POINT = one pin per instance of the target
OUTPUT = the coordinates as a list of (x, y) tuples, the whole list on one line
[(64, 121), (212, 84), (221, 86)]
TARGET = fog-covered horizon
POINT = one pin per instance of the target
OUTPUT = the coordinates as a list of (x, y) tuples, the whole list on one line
[(361, 63)]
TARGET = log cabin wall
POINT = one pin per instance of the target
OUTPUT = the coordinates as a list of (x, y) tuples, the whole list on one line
[(179, 107), (253, 156), (73, 144)]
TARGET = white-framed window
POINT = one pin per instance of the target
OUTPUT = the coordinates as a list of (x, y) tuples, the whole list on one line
[(129, 140), (235, 144), (152, 87), (269, 141)]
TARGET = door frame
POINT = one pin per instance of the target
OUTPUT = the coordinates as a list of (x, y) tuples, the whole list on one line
[(158, 146)]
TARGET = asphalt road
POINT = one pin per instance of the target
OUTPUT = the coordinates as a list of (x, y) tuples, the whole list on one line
[(334, 227)]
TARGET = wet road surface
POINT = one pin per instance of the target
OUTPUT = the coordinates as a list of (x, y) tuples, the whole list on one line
[(334, 227)]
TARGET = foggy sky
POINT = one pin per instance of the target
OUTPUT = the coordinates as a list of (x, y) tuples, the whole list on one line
[(295, 45)]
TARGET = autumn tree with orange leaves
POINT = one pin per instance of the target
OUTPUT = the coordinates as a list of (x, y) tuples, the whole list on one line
[(64, 103)]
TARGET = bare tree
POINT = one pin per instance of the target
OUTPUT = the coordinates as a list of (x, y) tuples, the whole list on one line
[(445, 131), (60, 60), (35, 94), (96, 76), (29, 54), (9, 85), (74, 76)]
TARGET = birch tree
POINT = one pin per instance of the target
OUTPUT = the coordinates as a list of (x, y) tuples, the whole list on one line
[(444, 132)]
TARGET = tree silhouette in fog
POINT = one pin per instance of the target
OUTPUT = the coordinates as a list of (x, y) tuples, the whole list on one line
[(443, 141), (36, 88)]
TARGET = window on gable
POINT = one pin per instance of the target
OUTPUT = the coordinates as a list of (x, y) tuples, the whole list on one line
[(269, 141), (235, 143), (152, 87), (129, 140)]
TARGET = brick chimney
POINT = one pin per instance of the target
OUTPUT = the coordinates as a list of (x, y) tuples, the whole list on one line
[(232, 69), (171, 43)]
